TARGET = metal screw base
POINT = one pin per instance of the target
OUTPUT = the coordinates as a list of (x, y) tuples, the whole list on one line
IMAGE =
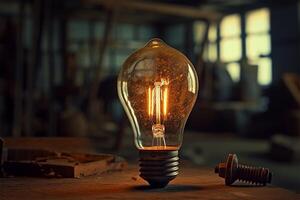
[(158, 167), (233, 171)]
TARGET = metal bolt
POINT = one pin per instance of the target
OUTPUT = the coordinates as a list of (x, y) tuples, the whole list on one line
[(233, 171)]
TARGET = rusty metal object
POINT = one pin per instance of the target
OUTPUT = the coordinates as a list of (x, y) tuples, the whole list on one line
[(231, 170)]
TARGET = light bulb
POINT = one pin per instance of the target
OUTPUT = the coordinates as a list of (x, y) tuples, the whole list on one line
[(158, 87)]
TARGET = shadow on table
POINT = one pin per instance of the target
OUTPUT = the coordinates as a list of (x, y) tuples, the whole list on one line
[(245, 185), (175, 188)]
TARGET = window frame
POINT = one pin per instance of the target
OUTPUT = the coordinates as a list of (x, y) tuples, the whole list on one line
[(243, 37), (260, 33), (239, 36)]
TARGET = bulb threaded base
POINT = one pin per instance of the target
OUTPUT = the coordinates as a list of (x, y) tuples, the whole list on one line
[(158, 167)]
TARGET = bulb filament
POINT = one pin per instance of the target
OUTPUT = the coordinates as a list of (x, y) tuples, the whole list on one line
[(157, 90), (165, 102), (158, 98), (150, 111)]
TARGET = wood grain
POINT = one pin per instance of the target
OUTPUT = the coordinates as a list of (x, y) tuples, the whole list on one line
[(43, 163), (192, 183)]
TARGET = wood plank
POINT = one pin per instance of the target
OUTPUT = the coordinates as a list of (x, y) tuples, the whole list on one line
[(159, 8), (192, 183), (31, 72), (292, 82), (42, 163), (18, 109), (49, 21), (51, 157)]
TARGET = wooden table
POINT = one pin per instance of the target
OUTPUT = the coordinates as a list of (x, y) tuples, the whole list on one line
[(192, 183)]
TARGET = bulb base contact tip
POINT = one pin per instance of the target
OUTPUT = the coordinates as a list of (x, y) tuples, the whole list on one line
[(158, 167)]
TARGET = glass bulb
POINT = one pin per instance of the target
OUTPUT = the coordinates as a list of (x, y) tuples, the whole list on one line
[(158, 87)]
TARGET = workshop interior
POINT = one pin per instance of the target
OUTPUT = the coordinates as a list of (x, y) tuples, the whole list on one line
[(152, 85)]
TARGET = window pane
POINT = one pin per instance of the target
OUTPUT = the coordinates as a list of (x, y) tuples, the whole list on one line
[(78, 30), (212, 52), (212, 33), (258, 21), (230, 26), (205, 53), (231, 49), (175, 35), (264, 71), (146, 32), (258, 45), (199, 30), (234, 71)]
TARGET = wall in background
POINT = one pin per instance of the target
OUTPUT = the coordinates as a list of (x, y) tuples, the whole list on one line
[(285, 40)]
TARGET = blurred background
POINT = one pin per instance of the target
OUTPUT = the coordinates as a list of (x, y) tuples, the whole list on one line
[(59, 61)]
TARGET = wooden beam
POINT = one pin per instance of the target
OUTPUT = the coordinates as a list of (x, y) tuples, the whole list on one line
[(51, 164), (204, 69), (127, 17), (63, 43), (18, 109), (292, 82), (37, 8), (205, 39), (49, 12), (159, 8), (109, 23)]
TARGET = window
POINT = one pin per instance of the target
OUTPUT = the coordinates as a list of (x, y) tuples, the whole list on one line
[(234, 70), (231, 44), (258, 43), (227, 44), (210, 49), (175, 35), (199, 30)]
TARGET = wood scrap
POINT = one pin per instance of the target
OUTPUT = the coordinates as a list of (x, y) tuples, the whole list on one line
[(285, 148), (43, 163), (292, 82)]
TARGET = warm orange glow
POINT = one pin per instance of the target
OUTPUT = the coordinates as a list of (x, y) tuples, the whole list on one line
[(165, 102), (157, 86), (155, 98), (163, 148), (157, 93), (149, 102)]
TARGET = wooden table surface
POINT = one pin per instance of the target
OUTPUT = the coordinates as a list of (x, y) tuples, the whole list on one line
[(192, 183)]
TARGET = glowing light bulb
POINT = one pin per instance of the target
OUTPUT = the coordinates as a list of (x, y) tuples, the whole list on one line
[(158, 87)]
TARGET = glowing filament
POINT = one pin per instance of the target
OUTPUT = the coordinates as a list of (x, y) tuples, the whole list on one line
[(165, 100), (157, 101), (157, 98), (150, 102)]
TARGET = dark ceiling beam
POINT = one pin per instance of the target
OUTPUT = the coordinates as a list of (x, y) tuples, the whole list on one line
[(159, 8), (92, 14)]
